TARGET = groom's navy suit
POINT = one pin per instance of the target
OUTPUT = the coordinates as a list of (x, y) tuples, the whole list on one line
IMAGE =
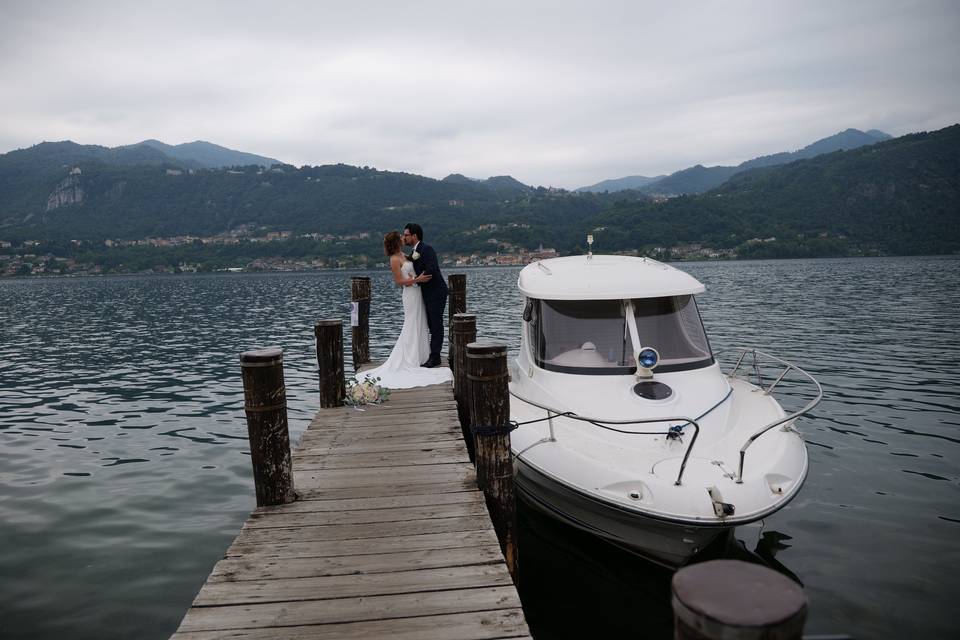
[(434, 295)]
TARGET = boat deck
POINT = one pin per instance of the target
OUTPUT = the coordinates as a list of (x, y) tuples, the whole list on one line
[(389, 537)]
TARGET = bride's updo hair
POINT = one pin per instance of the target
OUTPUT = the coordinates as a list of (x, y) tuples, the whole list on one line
[(391, 243)]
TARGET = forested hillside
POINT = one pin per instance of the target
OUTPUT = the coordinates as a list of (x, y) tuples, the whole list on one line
[(895, 197)]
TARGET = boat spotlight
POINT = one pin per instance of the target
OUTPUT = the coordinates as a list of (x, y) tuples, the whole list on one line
[(647, 359)]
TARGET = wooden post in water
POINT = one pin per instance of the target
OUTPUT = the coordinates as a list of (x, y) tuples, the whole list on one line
[(265, 402), (456, 303), (489, 400), (329, 335), (463, 331), (736, 600), (360, 319)]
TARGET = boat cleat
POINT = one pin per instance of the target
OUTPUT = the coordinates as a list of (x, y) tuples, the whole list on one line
[(632, 491)]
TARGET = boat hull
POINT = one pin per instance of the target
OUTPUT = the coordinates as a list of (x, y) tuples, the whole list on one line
[(666, 542)]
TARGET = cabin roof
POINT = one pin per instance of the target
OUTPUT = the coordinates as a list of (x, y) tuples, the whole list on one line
[(604, 278)]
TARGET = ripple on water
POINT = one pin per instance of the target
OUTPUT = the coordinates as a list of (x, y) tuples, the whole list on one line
[(124, 460)]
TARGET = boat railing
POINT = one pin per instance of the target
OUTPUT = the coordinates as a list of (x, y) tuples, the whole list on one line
[(672, 432), (753, 360)]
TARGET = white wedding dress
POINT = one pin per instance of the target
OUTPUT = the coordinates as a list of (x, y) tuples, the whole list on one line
[(402, 369)]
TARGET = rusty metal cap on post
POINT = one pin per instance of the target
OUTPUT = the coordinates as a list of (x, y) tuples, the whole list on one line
[(266, 357), (735, 599)]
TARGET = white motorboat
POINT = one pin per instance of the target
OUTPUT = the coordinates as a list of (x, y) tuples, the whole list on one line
[(628, 427)]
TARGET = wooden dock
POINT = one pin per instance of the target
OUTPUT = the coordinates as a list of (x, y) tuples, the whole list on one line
[(389, 537)]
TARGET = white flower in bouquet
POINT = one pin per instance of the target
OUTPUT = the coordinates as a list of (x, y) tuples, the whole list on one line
[(356, 393), (371, 392)]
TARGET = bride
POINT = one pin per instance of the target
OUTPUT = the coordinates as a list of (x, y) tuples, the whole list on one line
[(402, 369)]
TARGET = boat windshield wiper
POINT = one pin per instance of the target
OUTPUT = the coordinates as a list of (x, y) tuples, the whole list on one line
[(645, 357)]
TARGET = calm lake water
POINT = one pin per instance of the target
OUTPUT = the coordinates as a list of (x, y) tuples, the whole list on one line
[(124, 471)]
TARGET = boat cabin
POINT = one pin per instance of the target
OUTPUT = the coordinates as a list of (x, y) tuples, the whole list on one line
[(600, 315)]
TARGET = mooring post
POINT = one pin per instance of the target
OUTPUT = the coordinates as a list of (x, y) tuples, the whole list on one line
[(736, 600), (463, 331), (265, 402), (456, 303), (487, 378), (329, 335), (360, 319)]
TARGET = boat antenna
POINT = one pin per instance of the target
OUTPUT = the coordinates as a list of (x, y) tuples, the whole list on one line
[(589, 246)]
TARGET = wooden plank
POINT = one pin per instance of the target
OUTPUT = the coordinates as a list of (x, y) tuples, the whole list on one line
[(388, 438), (385, 477), (372, 445), (349, 609), (397, 401), (260, 568), (366, 585), (408, 414), (480, 625), (413, 488), (377, 502), (367, 530), (359, 546), (366, 516), (387, 409), (340, 460), (422, 425)]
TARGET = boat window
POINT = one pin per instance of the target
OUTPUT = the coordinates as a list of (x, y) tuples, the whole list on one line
[(672, 326), (581, 336), (591, 336)]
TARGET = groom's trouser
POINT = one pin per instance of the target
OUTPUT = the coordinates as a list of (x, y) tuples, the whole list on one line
[(435, 308)]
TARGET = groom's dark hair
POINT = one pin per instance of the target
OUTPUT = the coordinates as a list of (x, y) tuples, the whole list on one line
[(415, 229)]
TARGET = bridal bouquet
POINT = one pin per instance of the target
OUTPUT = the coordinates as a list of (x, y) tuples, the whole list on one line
[(368, 391)]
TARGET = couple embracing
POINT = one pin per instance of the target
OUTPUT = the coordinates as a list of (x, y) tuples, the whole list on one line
[(415, 359)]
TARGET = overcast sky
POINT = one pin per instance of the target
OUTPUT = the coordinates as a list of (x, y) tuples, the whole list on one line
[(553, 93)]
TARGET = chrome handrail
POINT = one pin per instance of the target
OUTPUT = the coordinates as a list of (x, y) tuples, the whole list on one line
[(597, 422), (788, 366)]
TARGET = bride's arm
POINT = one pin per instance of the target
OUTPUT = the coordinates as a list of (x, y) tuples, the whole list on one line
[(395, 264)]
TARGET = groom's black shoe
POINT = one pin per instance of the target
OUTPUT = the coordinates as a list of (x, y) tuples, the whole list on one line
[(431, 363)]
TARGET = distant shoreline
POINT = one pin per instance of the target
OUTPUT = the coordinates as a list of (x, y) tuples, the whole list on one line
[(383, 268)]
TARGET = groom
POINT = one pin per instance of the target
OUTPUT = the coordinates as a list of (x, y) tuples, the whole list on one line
[(434, 290)]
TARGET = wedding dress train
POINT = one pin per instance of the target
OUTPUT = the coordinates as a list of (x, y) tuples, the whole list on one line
[(402, 369)]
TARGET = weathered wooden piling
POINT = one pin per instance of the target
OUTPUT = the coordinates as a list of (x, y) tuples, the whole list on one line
[(736, 600), (265, 402), (360, 319), (463, 331), (456, 303), (457, 296), (489, 400), (329, 334)]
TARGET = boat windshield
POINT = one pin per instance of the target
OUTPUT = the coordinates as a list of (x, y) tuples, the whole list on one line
[(592, 337)]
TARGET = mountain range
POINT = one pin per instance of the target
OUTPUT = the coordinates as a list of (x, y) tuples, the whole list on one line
[(698, 178), (189, 155), (893, 196), (505, 185), (900, 196), (205, 155)]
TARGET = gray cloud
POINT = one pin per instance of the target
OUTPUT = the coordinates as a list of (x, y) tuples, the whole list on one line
[(552, 93)]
